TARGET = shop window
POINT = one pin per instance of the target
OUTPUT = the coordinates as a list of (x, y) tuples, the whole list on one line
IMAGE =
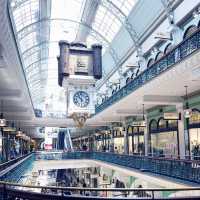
[(150, 62), (168, 48), (195, 118), (135, 129), (128, 80), (190, 30), (130, 144), (172, 123), (162, 123), (130, 130), (164, 144), (153, 125), (141, 129), (159, 55)]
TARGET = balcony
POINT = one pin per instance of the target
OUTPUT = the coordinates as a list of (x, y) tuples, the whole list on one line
[(186, 48)]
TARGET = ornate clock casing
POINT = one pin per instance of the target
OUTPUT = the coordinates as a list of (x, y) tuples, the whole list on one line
[(81, 99), (78, 70)]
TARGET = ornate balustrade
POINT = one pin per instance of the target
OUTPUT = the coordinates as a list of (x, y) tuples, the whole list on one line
[(177, 54), (29, 192), (188, 170), (17, 168), (11, 162)]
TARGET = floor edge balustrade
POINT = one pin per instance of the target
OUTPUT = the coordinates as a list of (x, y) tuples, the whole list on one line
[(4, 165), (9, 191), (17, 169), (169, 60), (186, 170)]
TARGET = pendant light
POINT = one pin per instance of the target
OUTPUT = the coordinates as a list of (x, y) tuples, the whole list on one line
[(143, 117), (19, 132), (187, 110), (2, 120)]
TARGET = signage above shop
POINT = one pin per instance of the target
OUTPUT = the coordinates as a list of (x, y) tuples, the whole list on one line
[(171, 116), (139, 124), (9, 129)]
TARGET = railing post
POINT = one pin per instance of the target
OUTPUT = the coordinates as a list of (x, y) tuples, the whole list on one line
[(4, 192), (152, 194)]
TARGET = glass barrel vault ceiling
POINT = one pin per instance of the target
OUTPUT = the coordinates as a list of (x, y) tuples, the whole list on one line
[(40, 24)]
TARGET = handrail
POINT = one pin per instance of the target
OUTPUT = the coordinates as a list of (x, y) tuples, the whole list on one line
[(176, 55), (99, 189), (11, 162), (12, 191), (186, 170)]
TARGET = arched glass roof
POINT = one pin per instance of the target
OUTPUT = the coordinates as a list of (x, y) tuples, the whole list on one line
[(40, 24)]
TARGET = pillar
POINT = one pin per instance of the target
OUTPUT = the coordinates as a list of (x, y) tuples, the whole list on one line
[(181, 132), (146, 137), (126, 142), (111, 148)]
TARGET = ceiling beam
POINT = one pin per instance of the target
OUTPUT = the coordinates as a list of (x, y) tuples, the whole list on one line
[(88, 16), (5, 92)]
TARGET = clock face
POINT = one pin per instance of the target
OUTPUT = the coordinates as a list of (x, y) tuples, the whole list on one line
[(81, 99)]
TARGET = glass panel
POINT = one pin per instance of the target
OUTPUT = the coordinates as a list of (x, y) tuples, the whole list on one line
[(195, 143), (164, 144), (39, 26), (130, 145), (119, 145), (195, 118)]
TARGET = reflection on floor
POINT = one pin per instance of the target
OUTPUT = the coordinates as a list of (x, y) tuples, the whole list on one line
[(95, 174)]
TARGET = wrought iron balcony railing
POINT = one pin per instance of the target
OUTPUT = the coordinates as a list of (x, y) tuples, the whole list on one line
[(177, 54), (187, 170)]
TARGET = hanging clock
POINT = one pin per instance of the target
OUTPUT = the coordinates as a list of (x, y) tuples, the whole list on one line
[(81, 99)]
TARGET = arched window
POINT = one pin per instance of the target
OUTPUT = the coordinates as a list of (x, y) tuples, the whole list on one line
[(189, 31), (150, 62), (172, 123), (168, 48), (198, 24), (195, 117), (153, 125), (133, 75), (158, 56), (162, 123), (135, 130), (128, 80)]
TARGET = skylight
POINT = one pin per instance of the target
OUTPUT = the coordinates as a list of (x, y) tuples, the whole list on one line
[(40, 25)]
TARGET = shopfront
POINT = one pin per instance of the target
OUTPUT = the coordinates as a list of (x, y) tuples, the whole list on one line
[(194, 134), (99, 142), (136, 140), (164, 138), (118, 142), (130, 139)]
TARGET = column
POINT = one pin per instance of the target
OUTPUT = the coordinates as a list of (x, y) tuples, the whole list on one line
[(181, 132), (146, 137), (126, 143), (111, 140)]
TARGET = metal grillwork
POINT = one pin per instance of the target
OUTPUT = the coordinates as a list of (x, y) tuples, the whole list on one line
[(180, 52), (181, 169)]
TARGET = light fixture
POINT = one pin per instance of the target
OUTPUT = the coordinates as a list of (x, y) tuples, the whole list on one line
[(19, 132), (143, 117), (2, 120), (187, 111)]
